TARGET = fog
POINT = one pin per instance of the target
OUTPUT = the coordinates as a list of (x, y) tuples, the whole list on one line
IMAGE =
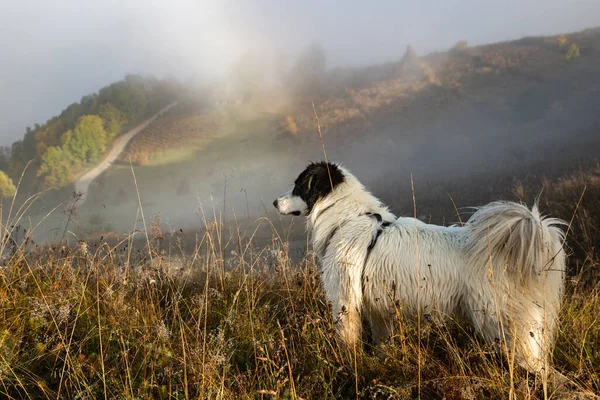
[(53, 53)]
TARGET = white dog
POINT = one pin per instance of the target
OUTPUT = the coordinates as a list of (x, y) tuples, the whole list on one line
[(503, 270)]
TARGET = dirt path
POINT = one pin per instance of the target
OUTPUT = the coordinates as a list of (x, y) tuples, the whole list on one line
[(84, 182)]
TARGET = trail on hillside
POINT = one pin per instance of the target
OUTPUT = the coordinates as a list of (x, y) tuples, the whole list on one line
[(119, 145)]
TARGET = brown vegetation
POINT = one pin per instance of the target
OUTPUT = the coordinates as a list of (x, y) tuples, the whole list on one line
[(491, 73), (172, 131), (123, 321)]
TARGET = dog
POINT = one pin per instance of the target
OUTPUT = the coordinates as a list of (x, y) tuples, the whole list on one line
[(503, 270)]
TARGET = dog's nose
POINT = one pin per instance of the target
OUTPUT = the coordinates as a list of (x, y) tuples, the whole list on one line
[(275, 202)]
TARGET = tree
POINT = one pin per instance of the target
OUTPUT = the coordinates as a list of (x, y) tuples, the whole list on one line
[(307, 76), (87, 141), (461, 45), (18, 159), (112, 119), (247, 76), (129, 96), (409, 63), (54, 170), (572, 52), (5, 156), (29, 144), (83, 129), (7, 187), (41, 142)]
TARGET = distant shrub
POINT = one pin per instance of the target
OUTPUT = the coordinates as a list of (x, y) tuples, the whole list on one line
[(461, 45), (87, 141), (141, 159), (7, 187), (562, 41), (430, 76), (409, 63), (290, 125), (55, 168), (306, 79), (572, 52)]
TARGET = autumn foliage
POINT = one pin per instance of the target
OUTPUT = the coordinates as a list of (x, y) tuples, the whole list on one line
[(83, 132)]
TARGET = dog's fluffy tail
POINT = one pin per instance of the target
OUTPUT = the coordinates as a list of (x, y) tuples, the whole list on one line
[(522, 252), (508, 237)]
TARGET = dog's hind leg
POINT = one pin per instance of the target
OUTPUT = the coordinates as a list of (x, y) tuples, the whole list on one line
[(520, 327), (535, 336), (380, 328)]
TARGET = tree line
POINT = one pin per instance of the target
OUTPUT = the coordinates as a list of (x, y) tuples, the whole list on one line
[(81, 133)]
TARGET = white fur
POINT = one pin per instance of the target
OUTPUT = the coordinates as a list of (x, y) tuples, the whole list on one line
[(503, 270), (288, 204)]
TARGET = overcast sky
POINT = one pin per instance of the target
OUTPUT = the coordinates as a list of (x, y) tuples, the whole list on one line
[(54, 52)]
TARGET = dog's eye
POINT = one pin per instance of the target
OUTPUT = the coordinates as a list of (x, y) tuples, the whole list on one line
[(297, 191)]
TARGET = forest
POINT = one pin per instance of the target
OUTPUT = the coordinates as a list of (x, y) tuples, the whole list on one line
[(60, 149)]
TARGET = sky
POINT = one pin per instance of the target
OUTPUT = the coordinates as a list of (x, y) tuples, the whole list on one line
[(54, 52)]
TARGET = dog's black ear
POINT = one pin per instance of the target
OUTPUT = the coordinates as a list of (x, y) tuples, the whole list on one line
[(324, 177), (317, 181)]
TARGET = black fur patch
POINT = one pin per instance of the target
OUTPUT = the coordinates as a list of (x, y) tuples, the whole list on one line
[(314, 182)]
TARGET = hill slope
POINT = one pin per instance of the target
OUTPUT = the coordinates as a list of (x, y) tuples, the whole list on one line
[(481, 111), (470, 122)]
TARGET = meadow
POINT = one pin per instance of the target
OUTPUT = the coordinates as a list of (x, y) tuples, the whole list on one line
[(137, 316), (230, 306)]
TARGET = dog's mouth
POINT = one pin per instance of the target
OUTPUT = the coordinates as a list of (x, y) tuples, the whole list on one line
[(289, 204)]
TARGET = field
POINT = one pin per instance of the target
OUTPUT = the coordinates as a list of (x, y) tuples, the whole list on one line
[(191, 286), (491, 111), (145, 319), (181, 132)]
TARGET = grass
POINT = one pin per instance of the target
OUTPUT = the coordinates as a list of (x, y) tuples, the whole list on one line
[(231, 320), (187, 129)]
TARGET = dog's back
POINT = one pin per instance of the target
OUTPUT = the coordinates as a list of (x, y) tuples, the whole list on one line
[(417, 265)]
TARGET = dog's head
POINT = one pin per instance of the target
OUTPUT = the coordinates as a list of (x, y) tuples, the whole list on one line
[(316, 182)]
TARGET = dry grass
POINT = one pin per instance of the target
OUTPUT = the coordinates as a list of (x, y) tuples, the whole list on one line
[(493, 74), (177, 129), (123, 321)]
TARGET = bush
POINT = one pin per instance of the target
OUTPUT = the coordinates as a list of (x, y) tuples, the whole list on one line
[(429, 74), (572, 52), (87, 141), (141, 159), (55, 168), (290, 125), (562, 41), (461, 45), (7, 187)]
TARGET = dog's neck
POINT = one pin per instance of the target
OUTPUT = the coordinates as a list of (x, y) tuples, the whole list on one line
[(348, 200)]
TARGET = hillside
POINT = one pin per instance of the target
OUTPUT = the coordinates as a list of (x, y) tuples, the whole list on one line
[(470, 122), (175, 130), (524, 86), (55, 153), (488, 111), (205, 291), (527, 85)]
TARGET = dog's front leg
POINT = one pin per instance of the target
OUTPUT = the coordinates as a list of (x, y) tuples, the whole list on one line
[(343, 289)]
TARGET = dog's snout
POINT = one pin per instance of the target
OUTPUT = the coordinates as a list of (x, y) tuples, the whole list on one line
[(275, 203)]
